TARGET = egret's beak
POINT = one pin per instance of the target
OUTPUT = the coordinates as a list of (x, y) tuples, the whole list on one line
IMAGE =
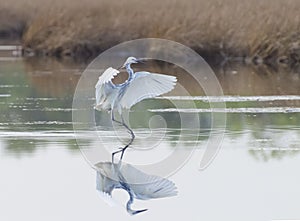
[(134, 212), (141, 60)]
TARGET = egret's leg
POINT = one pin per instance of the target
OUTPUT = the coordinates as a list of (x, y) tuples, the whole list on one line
[(113, 118), (122, 149), (129, 129), (124, 125), (131, 140)]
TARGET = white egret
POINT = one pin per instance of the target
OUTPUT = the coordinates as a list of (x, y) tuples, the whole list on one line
[(138, 184), (138, 86)]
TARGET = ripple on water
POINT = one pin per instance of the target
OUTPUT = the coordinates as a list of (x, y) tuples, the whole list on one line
[(232, 98), (4, 95), (231, 110)]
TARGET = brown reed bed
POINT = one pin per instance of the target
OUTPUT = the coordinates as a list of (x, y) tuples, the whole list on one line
[(259, 31)]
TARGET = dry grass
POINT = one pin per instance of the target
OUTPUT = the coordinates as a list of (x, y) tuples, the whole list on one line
[(259, 30)]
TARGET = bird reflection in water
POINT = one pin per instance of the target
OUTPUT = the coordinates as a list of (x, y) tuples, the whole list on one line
[(136, 183)]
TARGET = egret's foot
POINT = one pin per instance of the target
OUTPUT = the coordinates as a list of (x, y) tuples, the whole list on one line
[(113, 155), (121, 150)]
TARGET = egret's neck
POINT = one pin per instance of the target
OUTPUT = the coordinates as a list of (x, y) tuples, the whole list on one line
[(130, 71), (130, 201), (128, 206)]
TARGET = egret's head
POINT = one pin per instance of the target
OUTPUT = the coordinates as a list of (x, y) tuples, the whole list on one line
[(132, 60)]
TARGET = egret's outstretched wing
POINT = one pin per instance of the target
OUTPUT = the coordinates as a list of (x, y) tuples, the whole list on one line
[(146, 85), (107, 76), (104, 85), (107, 180), (105, 187), (147, 186)]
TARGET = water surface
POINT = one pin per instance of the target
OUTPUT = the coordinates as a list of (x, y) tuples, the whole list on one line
[(254, 177)]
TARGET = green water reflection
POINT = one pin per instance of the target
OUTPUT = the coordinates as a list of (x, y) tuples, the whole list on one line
[(36, 101)]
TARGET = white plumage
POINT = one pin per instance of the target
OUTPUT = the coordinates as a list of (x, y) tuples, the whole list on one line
[(137, 87), (146, 85), (106, 91), (143, 85), (138, 184)]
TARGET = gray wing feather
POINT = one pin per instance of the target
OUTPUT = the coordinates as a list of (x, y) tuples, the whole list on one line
[(144, 186), (147, 186), (146, 85)]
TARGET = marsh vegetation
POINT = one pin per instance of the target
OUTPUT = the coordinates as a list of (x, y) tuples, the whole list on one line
[(256, 31)]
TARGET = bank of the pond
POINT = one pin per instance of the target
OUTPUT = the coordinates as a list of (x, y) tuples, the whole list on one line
[(255, 31)]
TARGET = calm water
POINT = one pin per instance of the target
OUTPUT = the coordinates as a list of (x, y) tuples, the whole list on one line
[(255, 176)]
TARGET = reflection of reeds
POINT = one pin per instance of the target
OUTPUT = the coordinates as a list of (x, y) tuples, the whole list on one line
[(52, 78), (265, 30)]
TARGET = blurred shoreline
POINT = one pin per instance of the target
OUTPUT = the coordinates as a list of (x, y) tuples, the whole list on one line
[(259, 32)]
